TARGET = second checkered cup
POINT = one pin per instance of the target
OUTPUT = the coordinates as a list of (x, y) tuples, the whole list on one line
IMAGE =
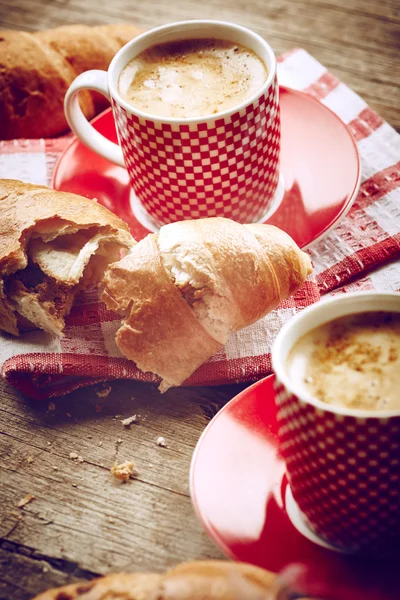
[(342, 463), (224, 165)]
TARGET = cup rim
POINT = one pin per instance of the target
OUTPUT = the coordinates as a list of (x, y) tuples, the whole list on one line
[(192, 120), (278, 360)]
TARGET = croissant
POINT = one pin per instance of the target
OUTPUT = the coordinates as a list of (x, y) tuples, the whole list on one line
[(36, 70), (52, 245), (197, 580), (180, 292)]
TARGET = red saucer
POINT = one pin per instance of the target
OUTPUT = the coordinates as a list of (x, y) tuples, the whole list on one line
[(319, 164), (238, 489)]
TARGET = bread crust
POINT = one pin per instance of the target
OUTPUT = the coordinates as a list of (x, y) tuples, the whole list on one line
[(36, 70), (160, 332), (292, 265), (198, 580)]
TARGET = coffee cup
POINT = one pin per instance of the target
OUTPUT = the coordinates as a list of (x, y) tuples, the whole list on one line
[(342, 463), (224, 164)]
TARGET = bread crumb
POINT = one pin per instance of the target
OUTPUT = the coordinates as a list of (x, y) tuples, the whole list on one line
[(100, 443), (117, 417), (17, 516), (74, 485), (104, 393), (55, 468), (28, 498), (76, 457), (45, 569), (161, 442), (119, 441), (111, 520), (123, 471), (29, 459), (129, 420), (49, 443), (89, 437), (51, 406)]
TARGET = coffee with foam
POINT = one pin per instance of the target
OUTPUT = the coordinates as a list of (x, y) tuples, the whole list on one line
[(191, 78), (353, 361)]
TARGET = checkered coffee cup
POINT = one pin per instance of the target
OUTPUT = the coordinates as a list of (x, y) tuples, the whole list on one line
[(223, 165), (343, 465)]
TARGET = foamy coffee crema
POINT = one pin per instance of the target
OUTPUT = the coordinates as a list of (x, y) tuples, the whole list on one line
[(353, 361), (191, 78)]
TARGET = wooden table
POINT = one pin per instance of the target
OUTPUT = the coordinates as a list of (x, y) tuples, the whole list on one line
[(82, 522)]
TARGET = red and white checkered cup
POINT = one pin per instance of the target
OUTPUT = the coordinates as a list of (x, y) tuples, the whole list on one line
[(343, 465), (223, 165)]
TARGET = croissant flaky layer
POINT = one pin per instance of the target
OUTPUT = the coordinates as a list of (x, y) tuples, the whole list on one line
[(197, 580), (36, 70), (52, 245), (182, 291)]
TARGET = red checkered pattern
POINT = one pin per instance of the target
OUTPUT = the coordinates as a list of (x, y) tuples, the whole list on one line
[(227, 167), (345, 259), (344, 472)]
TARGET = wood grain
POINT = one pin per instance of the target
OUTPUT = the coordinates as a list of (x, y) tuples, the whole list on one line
[(83, 522)]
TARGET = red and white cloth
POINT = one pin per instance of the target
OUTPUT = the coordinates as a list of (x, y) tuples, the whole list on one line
[(362, 253)]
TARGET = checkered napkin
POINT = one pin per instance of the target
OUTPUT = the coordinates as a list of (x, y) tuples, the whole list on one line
[(359, 254)]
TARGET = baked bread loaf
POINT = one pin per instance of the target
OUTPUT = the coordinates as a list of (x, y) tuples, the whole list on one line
[(180, 292), (52, 245), (208, 580), (36, 70)]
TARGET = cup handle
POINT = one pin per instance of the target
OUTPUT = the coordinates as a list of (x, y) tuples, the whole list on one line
[(90, 80)]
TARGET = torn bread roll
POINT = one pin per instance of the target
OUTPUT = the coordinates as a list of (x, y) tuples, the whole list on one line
[(197, 580), (181, 292), (52, 245)]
